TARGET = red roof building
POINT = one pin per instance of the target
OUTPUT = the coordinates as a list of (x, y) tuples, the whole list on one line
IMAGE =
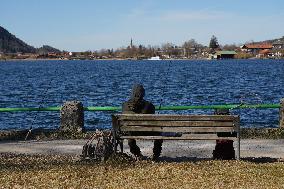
[(256, 48), (259, 46)]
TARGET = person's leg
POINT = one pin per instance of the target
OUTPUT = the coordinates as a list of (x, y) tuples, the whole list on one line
[(157, 148), (134, 149)]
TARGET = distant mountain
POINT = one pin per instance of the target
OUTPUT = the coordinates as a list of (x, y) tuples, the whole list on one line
[(47, 49), (274, 40), (268, 40), (9, 43)]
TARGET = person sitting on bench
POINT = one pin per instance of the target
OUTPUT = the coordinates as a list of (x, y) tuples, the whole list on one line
[(137, 105)]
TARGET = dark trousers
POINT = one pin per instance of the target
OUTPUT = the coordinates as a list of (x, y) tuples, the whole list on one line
[(134, 149)]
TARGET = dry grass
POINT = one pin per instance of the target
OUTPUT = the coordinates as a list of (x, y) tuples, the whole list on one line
[(19, 171)]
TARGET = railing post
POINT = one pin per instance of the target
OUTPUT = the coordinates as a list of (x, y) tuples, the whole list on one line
[(72, 117), (281, 114)]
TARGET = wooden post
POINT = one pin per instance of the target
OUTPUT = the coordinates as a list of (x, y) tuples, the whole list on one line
[(72, 117), (281, 114)]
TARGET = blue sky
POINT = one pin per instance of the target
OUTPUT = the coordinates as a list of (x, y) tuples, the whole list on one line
[(79, 25)]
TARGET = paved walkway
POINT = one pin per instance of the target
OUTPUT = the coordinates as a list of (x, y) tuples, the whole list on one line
[(171, 149)]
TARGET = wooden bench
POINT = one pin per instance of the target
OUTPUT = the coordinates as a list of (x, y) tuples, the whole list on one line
[(176, 127)]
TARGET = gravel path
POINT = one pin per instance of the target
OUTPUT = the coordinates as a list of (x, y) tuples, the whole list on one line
[(171, 149)]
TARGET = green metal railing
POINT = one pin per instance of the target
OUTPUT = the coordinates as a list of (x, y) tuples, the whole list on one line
[(111, 108)]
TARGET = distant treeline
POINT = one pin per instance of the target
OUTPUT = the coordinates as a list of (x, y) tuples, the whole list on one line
[(190, 49)]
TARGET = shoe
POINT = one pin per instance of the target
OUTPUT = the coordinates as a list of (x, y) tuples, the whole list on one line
[(139, 157), (155, 157)]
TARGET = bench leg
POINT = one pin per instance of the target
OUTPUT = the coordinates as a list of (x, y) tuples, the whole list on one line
[(114, 141), (238, 146), (115, 145), (121, 145)]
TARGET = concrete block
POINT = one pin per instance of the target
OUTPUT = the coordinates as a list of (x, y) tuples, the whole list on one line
[(72, 116)]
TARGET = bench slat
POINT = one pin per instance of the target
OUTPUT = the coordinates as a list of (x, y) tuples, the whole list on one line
[(187, 127), (177, 129), (178, 123), (183, 137), (165, 117)]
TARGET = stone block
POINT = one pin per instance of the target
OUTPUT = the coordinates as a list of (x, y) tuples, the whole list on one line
[(72, 117)]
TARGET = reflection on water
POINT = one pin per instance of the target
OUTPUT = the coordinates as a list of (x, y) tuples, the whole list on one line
[(108, 83)]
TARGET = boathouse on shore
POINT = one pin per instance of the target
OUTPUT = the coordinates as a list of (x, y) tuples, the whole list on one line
[(225, 54)]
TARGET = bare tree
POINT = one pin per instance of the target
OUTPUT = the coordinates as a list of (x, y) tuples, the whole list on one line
[(191, 47)]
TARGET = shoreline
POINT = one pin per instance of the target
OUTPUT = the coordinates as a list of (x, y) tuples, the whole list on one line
[(117, 59), (55, 134), (112, 59)]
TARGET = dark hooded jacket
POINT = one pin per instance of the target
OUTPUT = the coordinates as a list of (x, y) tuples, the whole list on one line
[(136, 104)]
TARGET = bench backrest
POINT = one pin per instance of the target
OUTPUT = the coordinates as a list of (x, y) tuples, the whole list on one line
[(197, 124)]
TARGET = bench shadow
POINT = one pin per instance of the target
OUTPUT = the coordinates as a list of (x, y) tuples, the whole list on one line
[(262, 159), (258, 160), (181, 159)]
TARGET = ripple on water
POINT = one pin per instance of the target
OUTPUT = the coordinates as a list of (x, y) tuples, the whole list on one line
[(108, 83)]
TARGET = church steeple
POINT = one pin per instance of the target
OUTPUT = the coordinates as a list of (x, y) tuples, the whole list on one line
[(131, 43)]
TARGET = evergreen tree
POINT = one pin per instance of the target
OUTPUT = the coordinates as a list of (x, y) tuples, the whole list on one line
[(213, 42)]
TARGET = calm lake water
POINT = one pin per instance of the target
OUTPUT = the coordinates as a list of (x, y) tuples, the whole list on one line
[(108, 83)]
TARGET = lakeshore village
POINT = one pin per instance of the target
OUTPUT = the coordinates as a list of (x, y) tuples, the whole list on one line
[(14, 48)]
